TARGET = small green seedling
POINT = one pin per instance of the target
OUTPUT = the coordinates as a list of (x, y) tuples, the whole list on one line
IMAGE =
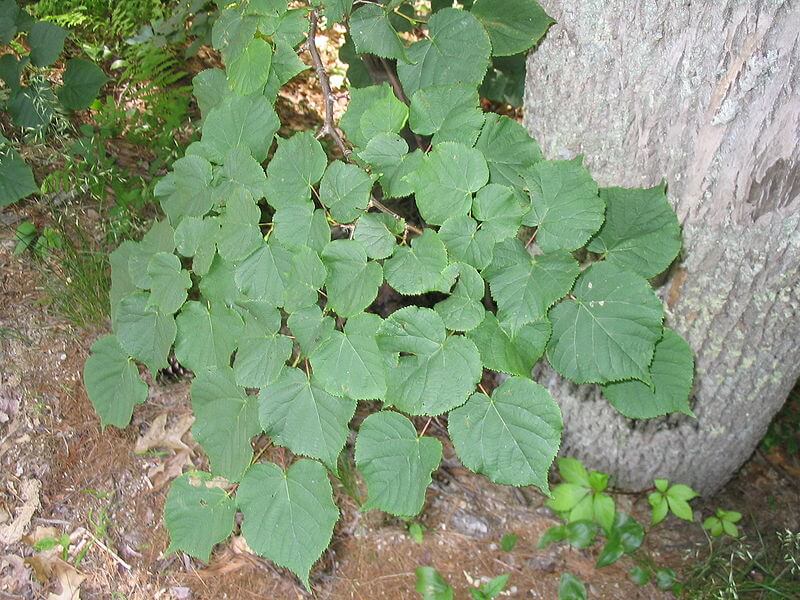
[(571, 588), (508, 542), (491, 589), (416, 531), (581, 497), (431, 585), (671, 498), (723, 522)]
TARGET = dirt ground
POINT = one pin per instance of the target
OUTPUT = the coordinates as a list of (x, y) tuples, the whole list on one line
[(62, 474)]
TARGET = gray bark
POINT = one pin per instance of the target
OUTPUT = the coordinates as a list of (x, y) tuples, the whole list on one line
[(707, 95)]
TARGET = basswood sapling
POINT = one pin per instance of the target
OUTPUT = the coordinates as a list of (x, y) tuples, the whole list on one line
[(263, 282)]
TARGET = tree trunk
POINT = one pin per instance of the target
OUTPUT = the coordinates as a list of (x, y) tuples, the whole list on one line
[(707, 95)]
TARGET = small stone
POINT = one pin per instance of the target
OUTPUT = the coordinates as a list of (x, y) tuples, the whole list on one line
[(469, 524), (180, 593), (546, 563)]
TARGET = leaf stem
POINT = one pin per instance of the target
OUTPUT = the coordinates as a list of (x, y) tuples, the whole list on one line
[(385, 209), (424, 429)]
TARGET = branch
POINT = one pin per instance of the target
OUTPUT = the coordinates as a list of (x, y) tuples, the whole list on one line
[(328, 128)]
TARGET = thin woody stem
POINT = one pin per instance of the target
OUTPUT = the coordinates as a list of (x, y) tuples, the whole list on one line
[(328, 127), (385, 209)]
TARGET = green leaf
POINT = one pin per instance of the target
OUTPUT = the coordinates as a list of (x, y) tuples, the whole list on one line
[(604, 509), (46, 41), (144, 332), (680, 508), (169, 282), (159, 238), (207, 336), (295, 526), (681, 491), (446, 180), (285, 66), (33, 107), (493, 587), (467, 242), (449, 113), (373, 33), (388, 154), (226, 419), (571, 588), (641, 231), (372, 111), (509, 150), (661, 484), (573, 471), (608, 332), (567, 496), (249, 122), (672, 372), (298, 164), (238, 234), (345, 189), (337, 10), (305, 280), (505, 80), (298, 414), (435, 373), (195, 237), (262, 350), (514, 26), (396, 463), (310, 328), (665, 578), (581, 534), (431, 585), (512, 437), (376, 233), (625, 538), (640, 575), (301, 225), (198, 515), (500, 210), (231, 33), (514, 353), (121, 283), (463, 309), (525, 291), (456, 51), (508, 542), (9, 20), (419, 268), (241, 172), (16, 177), (187, 190), (210, 87), (249, 71), (112, 382), (263, 274), (660, 507), (81, 83), (11, 71), (219, 283), (349, 364), (565, 206), (353, 280)]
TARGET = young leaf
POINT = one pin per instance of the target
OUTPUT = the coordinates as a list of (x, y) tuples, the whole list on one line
[(112, 382), (501, 209), (641, 231), (345, 189), (388, 154), (509, 150), (609, 331), (295, 526), (514, 26), (396, 463), (349, 364), (625, 537), (524, 292), (207, 335), (659, 505), (512, 437), (466, 242), (353, 280), (456, 51), (194, 499), (565, 206), (444, 184), (298, 414), (508, 542), (373, 33), (672, 372), (435, 373), (298, 164), (419, 268), (145, 332), (226, 419)]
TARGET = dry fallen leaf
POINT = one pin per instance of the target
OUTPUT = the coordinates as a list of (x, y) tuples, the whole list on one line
[(158, 435), (48, 565), (13, 532), (166, 471)]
